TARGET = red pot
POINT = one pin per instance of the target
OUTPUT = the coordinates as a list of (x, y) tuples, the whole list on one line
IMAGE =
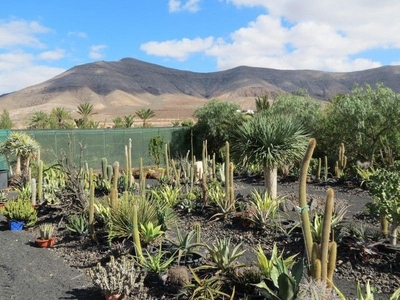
[(110, 296), (45, 243)]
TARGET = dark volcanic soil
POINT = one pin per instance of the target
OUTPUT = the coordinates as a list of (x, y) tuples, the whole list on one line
[(66, 264)]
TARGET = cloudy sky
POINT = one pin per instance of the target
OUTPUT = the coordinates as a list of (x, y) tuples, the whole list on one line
[(42, 38)]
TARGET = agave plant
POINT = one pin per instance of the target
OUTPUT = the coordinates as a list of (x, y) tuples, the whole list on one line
[(263, 208)]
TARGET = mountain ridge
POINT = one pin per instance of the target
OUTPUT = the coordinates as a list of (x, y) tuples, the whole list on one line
[(118, 88)]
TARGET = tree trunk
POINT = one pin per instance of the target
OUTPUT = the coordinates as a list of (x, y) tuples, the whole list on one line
[(18, 166), (271, 180), (393, 232)]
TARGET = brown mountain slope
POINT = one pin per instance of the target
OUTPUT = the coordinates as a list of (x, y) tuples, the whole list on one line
[(122, 87)]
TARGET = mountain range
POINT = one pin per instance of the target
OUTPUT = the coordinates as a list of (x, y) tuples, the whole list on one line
[(119, 88)]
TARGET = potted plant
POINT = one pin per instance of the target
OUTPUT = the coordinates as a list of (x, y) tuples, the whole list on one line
[(46, 239), (20, 213), (117, 278)]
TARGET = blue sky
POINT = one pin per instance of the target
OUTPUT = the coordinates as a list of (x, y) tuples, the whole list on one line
[(41, 39)]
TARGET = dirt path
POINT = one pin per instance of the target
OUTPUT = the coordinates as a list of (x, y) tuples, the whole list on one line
[(28, 272)]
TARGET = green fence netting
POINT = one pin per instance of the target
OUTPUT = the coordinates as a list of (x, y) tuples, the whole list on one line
[(91, 145), (3, 161)]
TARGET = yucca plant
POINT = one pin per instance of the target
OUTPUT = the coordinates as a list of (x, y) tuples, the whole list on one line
[(185, 244), (225, 258), (205, 288), (368, 292), (263, 208), (156, 263), (269, 267), (316, 225), (149, 233), (77, 224), (167, 194)]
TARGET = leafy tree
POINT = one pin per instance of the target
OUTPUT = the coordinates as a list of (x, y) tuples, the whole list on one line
[(362, 120), (39, 120), (118, 122), (5, 120), (270, 140), (145, 114), (214, 120), (61, 116), (301, 107), (156, 145)]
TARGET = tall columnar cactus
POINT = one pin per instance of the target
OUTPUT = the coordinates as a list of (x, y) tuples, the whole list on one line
[(326, 168), (341, 162), (91, 203), (321, 257), (110, 172), (197, 229), (129, 169), (204, 160), (305, 220), (40, 182), (214, 168), (104, 165), (227, 161), (33, 191), (166, 155), (115, 175), (319, 168), (135, 233), (142, 179)]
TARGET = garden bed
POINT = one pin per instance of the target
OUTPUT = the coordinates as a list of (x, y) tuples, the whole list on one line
[(356, 261)]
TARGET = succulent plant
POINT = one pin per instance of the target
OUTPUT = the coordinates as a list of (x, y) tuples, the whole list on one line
[(46, 231)]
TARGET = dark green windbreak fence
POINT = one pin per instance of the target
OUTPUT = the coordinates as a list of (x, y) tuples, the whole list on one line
[(94, 144), (3, 162)]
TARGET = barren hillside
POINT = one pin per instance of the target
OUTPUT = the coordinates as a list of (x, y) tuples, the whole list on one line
[(122, 87)]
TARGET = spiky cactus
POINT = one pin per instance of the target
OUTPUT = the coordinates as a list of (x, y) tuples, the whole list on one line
[(40, 182), (104, 165), (321, 257), (341, 162), (91, 203)]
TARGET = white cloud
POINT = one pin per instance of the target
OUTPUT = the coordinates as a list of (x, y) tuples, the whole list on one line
[(323, 35), (52, 55), (96, 51), (21, 33), (17, 70), (78, 34), (178, 49), (190, 5)]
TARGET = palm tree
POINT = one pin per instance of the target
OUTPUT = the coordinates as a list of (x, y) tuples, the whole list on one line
[(271, 141), (118, 122), (128, 121), (39, 120), (86, 110), (145, 114), (61, 115)]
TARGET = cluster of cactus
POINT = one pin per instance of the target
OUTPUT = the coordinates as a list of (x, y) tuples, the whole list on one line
[(325, 175), (341, 162), (321, 256)]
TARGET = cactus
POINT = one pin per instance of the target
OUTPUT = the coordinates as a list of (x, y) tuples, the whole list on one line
[(110, 172), (305, 220), (197, 228), (321, 257), (115, 175), (33, 191), (142, 179), (319, 169), (326, 168), (166, 154), (341, 162), (91, 203), (135, 233), (40, 182), (104, 165), (213, 176), (129, 169)]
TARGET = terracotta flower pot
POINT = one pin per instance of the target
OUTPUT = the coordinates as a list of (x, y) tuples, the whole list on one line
[(45, 243), (110, 296)]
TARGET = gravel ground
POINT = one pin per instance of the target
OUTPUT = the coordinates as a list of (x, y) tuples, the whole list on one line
[(28, 272)]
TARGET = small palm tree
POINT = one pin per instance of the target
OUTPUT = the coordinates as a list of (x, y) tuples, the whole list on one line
[(145, 114), (39, 120), (86, 110), (61, 115), (271, 141), (128, 121)]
